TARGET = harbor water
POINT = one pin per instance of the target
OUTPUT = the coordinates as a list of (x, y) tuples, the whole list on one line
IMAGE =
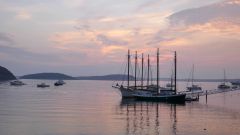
[(95, 108)]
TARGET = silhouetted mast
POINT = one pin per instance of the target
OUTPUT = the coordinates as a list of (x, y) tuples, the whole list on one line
[(158, 69), (192, 74), (128, 68), (142, 72), (175, 72), (135, 82), (148, 71), (172, 80), (224, 72)]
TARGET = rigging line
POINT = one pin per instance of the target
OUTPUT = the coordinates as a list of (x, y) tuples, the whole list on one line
[(145, 73), (124, 74), (150, 68), (120, 70), (189, 76), (131, 70)]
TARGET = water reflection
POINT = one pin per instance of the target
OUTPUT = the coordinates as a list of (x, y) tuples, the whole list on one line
[(149, 117)]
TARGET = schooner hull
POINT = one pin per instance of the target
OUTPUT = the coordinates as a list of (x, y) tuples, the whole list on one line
[(126, 93), (129, 93), (178, 98)]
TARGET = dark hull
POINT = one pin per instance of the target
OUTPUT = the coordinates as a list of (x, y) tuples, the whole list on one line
[(39, 86), (178, 98), (57, 84)]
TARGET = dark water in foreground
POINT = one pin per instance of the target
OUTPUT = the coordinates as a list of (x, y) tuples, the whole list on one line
[(94, 108)]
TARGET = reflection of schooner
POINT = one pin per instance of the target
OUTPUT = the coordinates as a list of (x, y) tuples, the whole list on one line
[(149, 117)]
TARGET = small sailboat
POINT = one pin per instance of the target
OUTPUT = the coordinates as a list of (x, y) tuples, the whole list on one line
[(42, 85), (17, 83), (194, 88), (59, 82), (223, 85)]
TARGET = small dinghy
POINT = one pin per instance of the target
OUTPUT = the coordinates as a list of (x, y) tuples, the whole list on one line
[(43, 85), (59, 82)]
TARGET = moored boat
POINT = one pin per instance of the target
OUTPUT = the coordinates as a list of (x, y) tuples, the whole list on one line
[(17, 83), (129, 91), (237, 83), (42, 85), (224, 85), (194, 88), (161, 97), (164, 95), (59, 82)]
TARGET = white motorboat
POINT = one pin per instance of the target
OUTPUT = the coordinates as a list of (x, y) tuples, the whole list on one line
[(223, 86), (59, 82), (17, 83)]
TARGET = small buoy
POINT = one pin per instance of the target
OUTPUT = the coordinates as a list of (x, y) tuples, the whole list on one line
[(204, 129)]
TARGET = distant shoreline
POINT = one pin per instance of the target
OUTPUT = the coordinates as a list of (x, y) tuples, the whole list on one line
[(110, 77)]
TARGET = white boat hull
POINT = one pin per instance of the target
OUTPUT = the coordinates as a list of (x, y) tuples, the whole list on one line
[(126, 93)]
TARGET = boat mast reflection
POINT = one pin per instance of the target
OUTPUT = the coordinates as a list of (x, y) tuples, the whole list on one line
[(149, 117)]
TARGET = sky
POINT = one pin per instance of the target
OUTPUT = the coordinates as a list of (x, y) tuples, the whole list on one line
[(89, 37)]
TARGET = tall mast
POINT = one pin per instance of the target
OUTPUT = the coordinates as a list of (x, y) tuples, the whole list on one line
[(192, 74), (128, 68), (148, 71), (224, 73), (175, 72), (172, 80), (142, 72), (158, 69), (135, 82)]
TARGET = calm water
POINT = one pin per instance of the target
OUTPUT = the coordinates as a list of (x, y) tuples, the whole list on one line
[(94, 108)]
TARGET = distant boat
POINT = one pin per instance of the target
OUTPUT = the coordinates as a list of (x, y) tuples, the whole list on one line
[(237, 83), (223, 85), (59, 82), (17, 83), (194, 88), (43, 85)]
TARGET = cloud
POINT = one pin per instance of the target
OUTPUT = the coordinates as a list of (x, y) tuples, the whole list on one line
[(220, 20), (207, 36), (228, 10), (113, 49), (66, 37)]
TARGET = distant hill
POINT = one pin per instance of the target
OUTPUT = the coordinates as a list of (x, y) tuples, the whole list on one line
[(48, 76), (106, 77), (5, 74), (56, 76)]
